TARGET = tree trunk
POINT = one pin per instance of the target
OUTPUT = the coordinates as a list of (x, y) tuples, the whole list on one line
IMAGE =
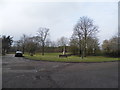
[(23, 49), (43, 49), (80, 50), (85, 42), (82, 54), (85, 50), (80, 47)]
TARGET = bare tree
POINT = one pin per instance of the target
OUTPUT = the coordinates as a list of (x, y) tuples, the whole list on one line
[(42, 35), (83, 29), (23, 40), (32, 45), (53, 44), (111, 47), (75, 44), (93, 46), (6, 43)]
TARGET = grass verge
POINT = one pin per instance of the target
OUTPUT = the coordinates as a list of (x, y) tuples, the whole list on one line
[(55, 57)]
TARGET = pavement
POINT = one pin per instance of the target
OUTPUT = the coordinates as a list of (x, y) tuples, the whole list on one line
[(18, 72)]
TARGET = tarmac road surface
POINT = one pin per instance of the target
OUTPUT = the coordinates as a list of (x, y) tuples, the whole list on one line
[(18, 72)]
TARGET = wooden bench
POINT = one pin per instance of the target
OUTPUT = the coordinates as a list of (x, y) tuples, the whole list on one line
[(63, 56)]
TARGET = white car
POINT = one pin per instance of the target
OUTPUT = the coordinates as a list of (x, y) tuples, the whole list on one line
[(18, 54)]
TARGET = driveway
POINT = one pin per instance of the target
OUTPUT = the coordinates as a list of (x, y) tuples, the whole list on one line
[(18, 72)]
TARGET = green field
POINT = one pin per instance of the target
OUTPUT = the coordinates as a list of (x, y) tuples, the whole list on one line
[(55, 57)]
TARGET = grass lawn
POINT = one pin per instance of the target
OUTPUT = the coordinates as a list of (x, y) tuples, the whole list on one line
[(55, 57)]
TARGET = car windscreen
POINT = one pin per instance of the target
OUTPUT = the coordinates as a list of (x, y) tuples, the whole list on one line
[(18, 52)]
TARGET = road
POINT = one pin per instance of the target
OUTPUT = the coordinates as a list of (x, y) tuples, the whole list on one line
[(18, 72)]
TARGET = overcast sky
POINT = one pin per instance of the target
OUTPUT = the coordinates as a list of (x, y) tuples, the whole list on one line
[(19, 18)]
